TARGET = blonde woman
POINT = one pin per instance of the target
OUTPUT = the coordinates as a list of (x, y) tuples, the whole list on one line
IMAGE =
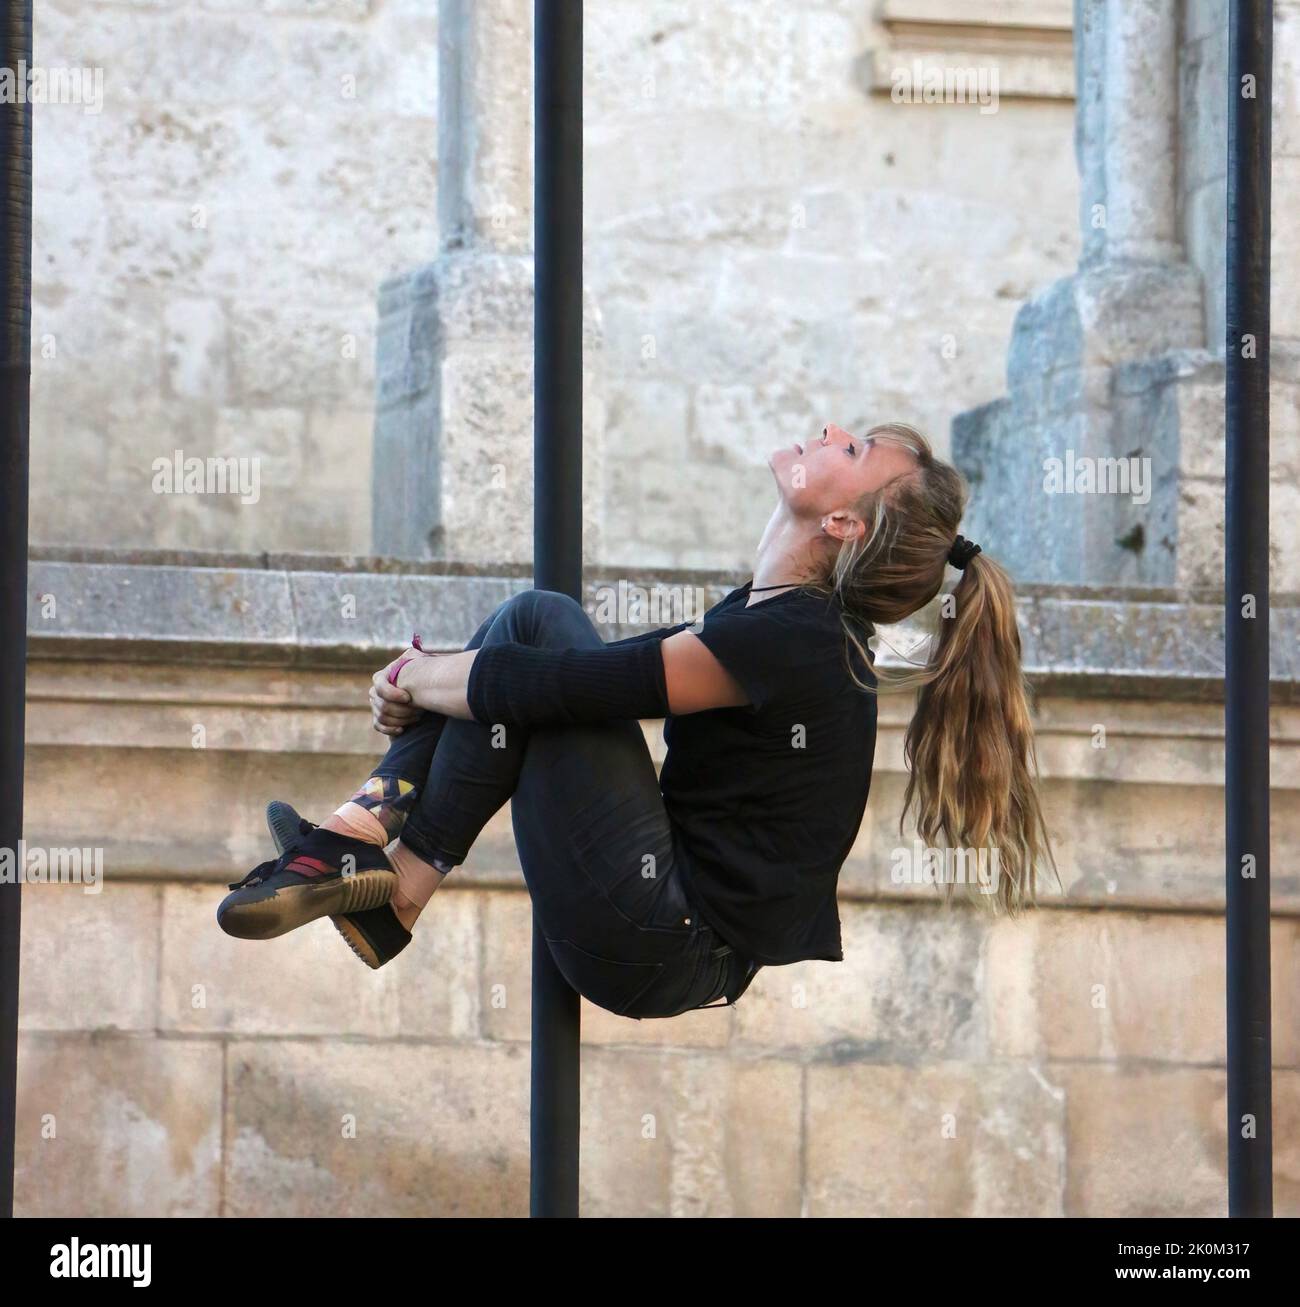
[(658, 895)]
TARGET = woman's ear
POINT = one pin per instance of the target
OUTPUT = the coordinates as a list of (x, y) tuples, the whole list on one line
[(843, 525)]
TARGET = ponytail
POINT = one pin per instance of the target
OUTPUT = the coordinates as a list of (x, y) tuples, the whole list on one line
[(970, 745)]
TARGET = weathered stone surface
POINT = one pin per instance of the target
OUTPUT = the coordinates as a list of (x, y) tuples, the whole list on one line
[(454, 424), (947, 1139), (1117, 640), (485, 123), (1090, 374), (908, 988), (1136, 824), (1097, 987), (182, 186), (90, 960), (1143, 1141), (1147, 305), (346, 1129), (665, 1135), (118, 1125)]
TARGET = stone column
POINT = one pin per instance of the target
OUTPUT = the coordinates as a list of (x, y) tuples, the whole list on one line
[(485, 171), (453, 435), (1126, 130), (1104, 365)]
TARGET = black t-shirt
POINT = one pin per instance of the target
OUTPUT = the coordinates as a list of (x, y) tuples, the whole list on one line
[(767, 799)]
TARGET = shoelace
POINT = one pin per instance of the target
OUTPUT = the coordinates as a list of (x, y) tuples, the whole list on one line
[(256, 876), (264, 869)]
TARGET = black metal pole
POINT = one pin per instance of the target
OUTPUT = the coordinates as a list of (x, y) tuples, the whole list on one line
[(1246, 674), (15, 384), (557, 528)]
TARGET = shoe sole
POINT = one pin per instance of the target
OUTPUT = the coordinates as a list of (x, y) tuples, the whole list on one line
[(357, 942), (282, 821), (273, 912)]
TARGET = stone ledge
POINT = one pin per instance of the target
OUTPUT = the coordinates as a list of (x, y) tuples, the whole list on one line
[(295, 611)]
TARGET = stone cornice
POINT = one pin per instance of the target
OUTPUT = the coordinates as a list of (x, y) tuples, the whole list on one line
[(313, 610)]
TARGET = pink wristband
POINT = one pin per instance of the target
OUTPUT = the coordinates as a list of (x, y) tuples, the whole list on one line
[(397, 669)]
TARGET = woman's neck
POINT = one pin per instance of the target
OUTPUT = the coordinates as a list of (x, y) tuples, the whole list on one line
[(787, 552)]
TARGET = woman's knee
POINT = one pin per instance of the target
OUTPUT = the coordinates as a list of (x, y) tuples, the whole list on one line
[(536, 613)]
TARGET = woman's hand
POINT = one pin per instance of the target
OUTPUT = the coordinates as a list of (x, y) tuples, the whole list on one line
[(427, 682), (392, 708)]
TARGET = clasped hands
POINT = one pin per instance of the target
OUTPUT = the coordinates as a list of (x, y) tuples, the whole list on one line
[(416, 682)]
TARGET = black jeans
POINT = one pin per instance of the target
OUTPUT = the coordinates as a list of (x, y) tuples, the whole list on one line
[(597, 847)]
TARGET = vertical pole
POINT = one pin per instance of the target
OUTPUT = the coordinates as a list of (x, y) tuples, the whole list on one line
[(557, 528), (1246, 673), (15, 382)]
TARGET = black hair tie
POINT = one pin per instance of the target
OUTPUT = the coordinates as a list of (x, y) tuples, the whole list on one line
[(962, 552)]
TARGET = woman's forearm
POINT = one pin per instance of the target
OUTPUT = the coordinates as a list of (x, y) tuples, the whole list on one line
[(520, 685), (438, 683)]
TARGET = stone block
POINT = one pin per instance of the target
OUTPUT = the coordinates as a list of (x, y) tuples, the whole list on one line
[(485, 120), (948, 1139), (163, 242), (1103, 987), (118, 1126), (162, 151), (743, 425), (276, 438), (1143, 1141), (1286, 76), (454, 427), (330, 1128), (381, 612), (303, 355), (908, 988), (1284, 304), (90, 959), (1284, 546), (1200, 533), (1203, 72), (705, 1136), (644, 418)]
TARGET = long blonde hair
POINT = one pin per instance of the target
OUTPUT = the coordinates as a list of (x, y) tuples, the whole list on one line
[(970, 745)]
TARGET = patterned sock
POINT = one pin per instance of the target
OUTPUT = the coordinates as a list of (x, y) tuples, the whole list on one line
[(416, 879), (376, 812)]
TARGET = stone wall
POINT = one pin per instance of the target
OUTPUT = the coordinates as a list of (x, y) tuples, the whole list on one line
[(771, 240), (206, 253), (1118, 370), (1068, 1063)]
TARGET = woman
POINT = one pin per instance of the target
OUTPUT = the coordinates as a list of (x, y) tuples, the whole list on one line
[(660, 895)]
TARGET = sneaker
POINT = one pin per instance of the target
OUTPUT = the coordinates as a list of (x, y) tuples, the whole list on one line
[(375, 935), (286, 826), (322, 874)]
